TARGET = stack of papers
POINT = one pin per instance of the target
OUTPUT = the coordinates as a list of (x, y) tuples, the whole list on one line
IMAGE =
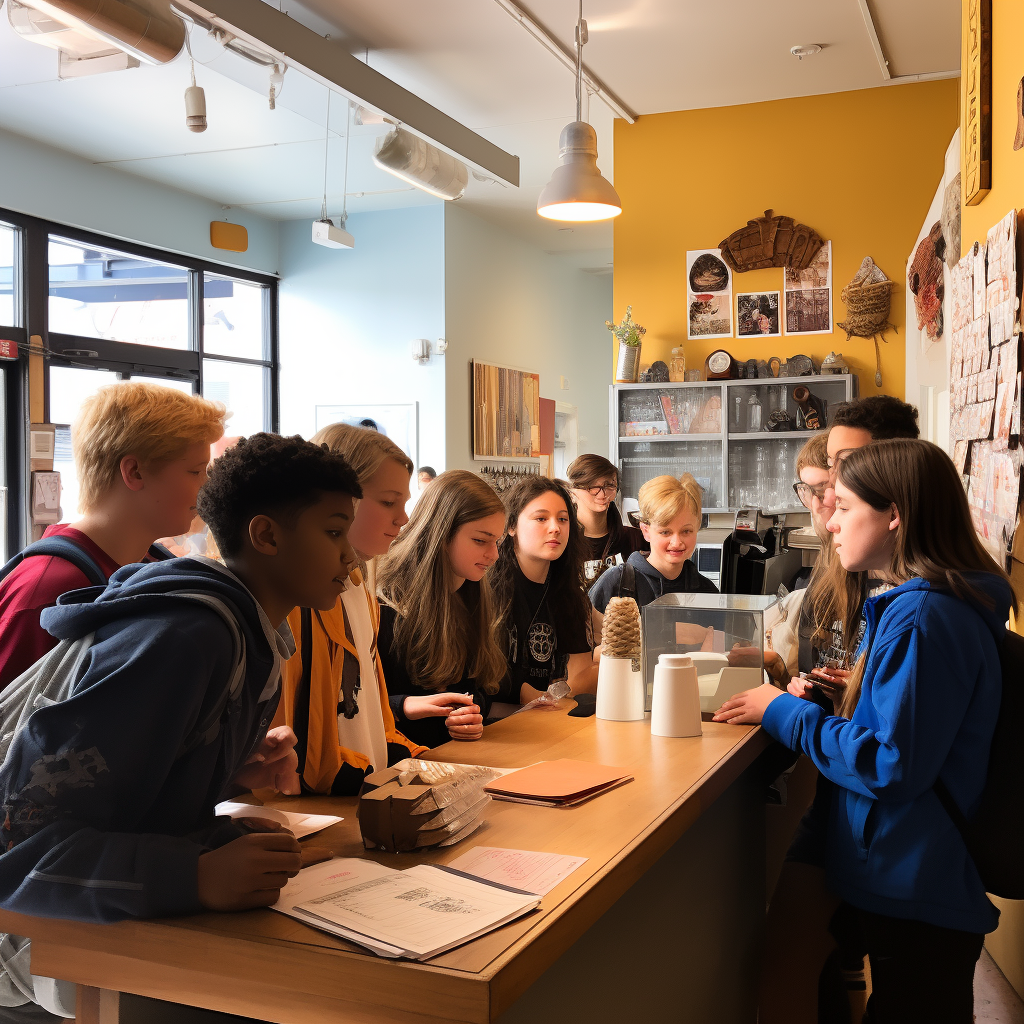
[(538, 873), (417, 913), (299, 825), (562, 783)]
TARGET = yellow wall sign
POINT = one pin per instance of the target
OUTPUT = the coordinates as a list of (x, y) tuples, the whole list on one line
[(232, 237), (976, 116)]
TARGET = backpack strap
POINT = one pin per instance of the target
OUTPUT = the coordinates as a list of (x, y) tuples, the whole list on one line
[(60, 547), (627, 581), (300, 705), (158, 553)]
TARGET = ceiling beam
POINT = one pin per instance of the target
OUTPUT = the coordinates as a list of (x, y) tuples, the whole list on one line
[(265, 28)]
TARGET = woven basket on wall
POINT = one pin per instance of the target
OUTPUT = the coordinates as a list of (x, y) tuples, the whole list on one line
[(867, 303)]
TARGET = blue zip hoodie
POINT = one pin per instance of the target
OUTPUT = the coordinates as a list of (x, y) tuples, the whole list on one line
[(928, 708), (102, 819)]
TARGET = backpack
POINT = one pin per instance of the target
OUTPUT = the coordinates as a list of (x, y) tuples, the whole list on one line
[(994, 836), (51, 679), (71, 551), (627, 582)]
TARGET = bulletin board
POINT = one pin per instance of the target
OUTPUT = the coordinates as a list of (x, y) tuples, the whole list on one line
[(506, 412)]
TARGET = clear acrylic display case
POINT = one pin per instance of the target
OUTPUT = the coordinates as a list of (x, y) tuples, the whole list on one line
[(722, 633), (718, 432)]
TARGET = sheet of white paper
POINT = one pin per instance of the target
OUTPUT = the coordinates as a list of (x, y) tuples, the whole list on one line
[(538, 873), (300, 825), (422, 910)]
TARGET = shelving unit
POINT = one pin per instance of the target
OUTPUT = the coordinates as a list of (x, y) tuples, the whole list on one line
[(738, 468)]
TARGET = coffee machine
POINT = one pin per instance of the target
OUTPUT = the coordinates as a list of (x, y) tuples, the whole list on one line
[(746, 552)]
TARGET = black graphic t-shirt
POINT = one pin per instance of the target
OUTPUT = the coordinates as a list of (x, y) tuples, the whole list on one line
[(538, 649)]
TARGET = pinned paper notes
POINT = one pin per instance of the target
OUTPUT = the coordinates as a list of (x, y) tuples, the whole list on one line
[(532, 872)]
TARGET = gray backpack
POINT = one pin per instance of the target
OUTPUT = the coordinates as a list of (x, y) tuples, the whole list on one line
[(50, 681)]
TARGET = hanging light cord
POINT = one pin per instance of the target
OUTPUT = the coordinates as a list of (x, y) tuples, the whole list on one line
[(344, 191), (579, 65), (191, 60), (327, 142)]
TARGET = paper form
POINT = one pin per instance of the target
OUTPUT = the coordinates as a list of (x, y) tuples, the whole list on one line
[(419, 912), (300, 825), (538, 873)]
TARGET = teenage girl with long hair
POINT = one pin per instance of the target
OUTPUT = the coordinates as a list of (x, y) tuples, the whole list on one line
[(438, 626), (921, 705), (334, 695), (540, 589)]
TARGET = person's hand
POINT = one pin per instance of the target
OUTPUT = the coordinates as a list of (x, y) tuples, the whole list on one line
[(274, 765), (251, 870), (690, 633), (800, 687), (747, 708), (831, 681), (465, 723), (435, 705)]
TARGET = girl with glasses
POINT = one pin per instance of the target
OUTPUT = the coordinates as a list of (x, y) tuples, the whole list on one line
[(594, 481)]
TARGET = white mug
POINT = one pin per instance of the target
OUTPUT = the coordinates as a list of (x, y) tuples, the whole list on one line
[(675, 710), (620, 690)]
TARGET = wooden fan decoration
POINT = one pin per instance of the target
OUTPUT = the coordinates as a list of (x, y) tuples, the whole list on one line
[(771, 241)]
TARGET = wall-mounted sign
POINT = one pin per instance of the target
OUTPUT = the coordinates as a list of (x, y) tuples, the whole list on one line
[(976, 116)]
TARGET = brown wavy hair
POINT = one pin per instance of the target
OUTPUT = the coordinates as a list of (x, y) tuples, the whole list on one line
[(440, 629), (935, 538)]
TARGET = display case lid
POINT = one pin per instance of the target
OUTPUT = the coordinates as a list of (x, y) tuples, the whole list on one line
[(716, 602)]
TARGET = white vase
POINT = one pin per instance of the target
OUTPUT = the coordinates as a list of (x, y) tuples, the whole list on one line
[(620, 690), (675, 710)]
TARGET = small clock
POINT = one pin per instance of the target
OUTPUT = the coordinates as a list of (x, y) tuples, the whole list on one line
[(719, 365)]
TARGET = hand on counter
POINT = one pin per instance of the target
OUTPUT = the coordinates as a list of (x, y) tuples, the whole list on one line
[(747, 708), (464, 720)]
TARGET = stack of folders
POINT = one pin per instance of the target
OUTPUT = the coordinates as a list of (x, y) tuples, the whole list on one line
[(418, 913), (562, 783)]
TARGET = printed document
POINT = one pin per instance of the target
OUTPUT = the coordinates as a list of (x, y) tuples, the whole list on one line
[(533, 872), (300, 825)]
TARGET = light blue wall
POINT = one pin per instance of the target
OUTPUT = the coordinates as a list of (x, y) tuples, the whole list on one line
[(509, 302), (349, 317), (41, 181)]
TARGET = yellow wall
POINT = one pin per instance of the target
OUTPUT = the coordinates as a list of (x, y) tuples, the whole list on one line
[(1007, 943), (861, 168)]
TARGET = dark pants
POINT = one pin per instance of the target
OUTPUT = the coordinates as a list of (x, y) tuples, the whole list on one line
[(920, 972)]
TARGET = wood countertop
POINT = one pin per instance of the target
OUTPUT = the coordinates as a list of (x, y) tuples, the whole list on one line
[(268, 965)]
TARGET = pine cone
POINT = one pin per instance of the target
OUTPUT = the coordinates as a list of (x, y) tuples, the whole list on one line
[(620, 632)]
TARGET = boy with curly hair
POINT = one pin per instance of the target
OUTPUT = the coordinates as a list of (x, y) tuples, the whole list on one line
[(108, 797)]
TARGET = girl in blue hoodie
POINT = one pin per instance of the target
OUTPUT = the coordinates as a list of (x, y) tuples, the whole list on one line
[(921, 705)]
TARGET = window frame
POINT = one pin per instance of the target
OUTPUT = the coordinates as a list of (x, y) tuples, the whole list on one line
[(127, 359)]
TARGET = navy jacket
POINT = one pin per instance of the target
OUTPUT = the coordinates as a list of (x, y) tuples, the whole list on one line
[(928, 708), (102, 819), (650, 584)]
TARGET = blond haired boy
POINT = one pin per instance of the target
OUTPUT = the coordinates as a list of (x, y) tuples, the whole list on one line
[(141, 452), (669, 518)]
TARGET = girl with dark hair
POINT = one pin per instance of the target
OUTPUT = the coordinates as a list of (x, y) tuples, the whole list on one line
[(594, 482), (539, 587), (920, 707)]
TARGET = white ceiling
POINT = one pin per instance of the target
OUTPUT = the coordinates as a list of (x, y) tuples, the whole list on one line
[(474, 62)]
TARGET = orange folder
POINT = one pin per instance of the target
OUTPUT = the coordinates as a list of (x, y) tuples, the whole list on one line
[(561, 783)]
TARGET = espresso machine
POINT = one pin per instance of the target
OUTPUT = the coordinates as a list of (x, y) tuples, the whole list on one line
[(746, 552)]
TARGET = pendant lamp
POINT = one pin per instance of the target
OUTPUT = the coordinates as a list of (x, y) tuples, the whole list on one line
[(577, 190)]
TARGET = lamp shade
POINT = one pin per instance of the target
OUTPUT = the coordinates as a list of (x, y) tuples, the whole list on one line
[(577, 190)]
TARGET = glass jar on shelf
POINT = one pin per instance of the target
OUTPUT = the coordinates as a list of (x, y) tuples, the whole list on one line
[(677, 367)]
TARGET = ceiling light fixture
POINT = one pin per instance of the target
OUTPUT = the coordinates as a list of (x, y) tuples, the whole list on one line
[(416, 161), (577, 190), (324, 230), (195, 98)]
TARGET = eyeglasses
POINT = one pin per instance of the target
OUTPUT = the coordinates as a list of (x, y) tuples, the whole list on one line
[(834, 460), (600, 489), (805, 492)]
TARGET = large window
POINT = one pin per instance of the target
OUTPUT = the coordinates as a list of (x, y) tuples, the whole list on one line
[(106, 311)]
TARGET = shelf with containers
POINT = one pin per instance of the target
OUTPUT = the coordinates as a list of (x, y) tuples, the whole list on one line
[(718, 431)]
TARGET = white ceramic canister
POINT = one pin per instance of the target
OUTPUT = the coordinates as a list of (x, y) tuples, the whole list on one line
[(620, 690), (675, 710)]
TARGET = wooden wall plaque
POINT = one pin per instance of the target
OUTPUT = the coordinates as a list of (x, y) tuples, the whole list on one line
[(976, 116)]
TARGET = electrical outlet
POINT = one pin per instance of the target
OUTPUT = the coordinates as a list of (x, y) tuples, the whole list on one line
[(564, 383)]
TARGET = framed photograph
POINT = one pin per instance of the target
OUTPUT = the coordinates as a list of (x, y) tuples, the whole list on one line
[(399, 422), (506, 412), (757, 315), (708, 294), (809, 295)]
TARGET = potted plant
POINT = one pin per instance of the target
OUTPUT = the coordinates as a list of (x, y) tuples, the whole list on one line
[(630, 336)]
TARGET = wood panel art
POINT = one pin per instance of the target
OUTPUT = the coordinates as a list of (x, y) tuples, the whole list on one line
[(771, 241), (506, 412), (976, 117)]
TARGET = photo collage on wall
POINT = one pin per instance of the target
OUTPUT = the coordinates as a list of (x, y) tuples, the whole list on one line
[(803, 307), (985, 383)]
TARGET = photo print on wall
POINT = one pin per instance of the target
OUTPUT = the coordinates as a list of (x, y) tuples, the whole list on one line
[(809, 295), (708, 294), (757, 315)]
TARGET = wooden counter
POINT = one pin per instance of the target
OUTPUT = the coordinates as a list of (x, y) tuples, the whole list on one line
[(689, 828)]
